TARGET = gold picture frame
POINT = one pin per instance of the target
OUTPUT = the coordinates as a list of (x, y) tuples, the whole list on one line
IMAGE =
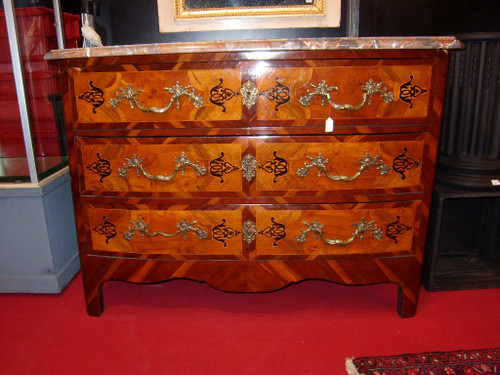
[(175, 16), (309, 7)]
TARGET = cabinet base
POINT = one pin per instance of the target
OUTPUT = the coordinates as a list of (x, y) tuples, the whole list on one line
[(254, 276)]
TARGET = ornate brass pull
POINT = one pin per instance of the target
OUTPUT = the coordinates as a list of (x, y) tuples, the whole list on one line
[(369, 88), (366, 162), (317, 228), (182, 161), (184, 227), (177, 92)]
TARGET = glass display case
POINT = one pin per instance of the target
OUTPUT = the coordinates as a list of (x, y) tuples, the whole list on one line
[(33, 151), (38, 245)]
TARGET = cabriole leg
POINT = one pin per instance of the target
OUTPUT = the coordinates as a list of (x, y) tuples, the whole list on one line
[(93, 296), (407, 300)]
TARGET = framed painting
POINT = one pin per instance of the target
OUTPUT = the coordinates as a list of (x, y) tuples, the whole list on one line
[(207, 15)]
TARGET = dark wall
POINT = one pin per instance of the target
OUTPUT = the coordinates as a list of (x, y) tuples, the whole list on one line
[(136, 21), (428, 17), (127, 22)]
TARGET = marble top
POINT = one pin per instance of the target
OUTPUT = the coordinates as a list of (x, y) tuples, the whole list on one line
[(261, 45)]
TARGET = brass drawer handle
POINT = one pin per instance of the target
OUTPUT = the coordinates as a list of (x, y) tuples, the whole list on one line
[(365, 163), (361, 227), (182, 161), (369, 88), (177, 92), (184, 227)]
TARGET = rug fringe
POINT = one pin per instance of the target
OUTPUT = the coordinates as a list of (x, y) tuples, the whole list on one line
[(351, 367)]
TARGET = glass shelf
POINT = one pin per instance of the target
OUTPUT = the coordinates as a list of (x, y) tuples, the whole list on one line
[(16, 169)]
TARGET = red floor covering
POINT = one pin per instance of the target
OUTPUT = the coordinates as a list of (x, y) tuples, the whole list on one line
[(182, 327)]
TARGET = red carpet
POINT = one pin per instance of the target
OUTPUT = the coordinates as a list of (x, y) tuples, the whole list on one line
[(462, 362), (185, 328)]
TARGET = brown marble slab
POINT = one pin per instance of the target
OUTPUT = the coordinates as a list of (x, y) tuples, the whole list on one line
[(261, 45)]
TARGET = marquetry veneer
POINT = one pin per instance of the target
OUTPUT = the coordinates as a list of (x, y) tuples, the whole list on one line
[(214, 164)]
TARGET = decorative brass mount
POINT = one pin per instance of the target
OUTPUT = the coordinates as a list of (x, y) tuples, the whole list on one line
[(369, 88), (182, 161), (366, 162), (184, 227), (177, 92), (317, 228)]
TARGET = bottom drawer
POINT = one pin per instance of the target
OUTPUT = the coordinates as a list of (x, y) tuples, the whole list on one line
[(255, 231), (173, 232), (337, 230)]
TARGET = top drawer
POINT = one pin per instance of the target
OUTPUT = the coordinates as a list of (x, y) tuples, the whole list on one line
[(368, 90)]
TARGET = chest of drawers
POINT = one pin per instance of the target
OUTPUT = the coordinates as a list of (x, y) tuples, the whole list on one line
[(212, 162)]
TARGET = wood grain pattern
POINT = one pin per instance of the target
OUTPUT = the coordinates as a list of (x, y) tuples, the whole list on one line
[(343, 159), (153, 93), (405, 133), (276, 230), (257, 276), (160, 160), (167, 222), (348, 80), (338, 225), (402, 158)]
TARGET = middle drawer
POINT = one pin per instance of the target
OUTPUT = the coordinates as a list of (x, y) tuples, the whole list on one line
[(251, 166)]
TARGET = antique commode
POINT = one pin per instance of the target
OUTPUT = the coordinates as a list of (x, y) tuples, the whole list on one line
[(211, 161)]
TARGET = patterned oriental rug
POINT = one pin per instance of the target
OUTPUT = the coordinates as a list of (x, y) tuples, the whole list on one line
[(463, 362)]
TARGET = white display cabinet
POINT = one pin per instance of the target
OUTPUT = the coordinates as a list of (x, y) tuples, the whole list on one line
[(38, 246)]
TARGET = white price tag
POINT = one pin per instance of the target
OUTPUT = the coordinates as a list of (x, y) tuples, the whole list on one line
[(329, 125), (495, 182)]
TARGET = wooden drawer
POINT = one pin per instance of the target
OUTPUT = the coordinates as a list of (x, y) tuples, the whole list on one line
[(254, 231), (131, 96), (328, 165), (253, 166), (387, 90), (176, 232), (336, 230), (176, 166), (370, 90)]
